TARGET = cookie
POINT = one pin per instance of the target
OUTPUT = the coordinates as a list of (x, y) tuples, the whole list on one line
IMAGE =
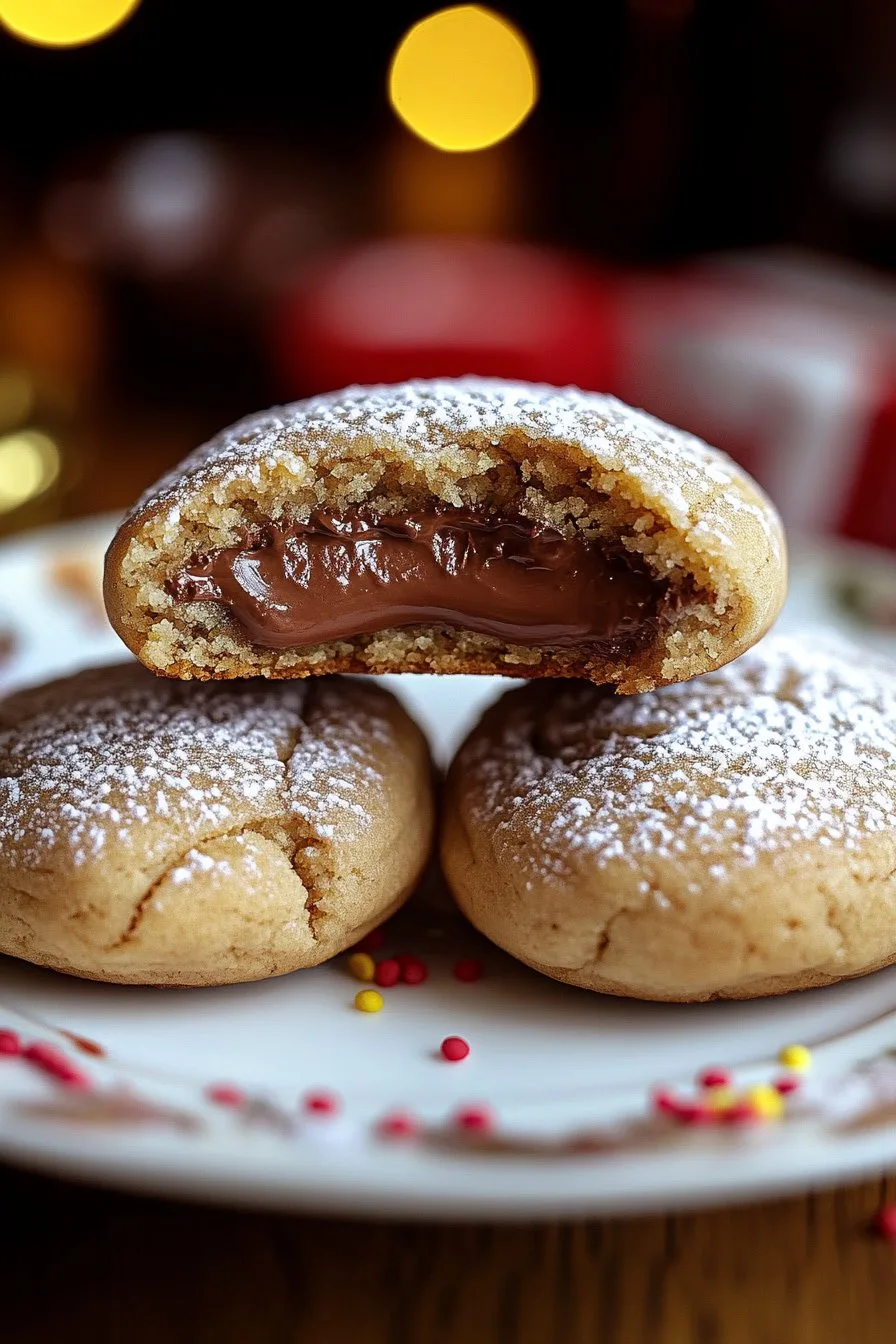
[(465, 525), (157, 833), (729, 838)]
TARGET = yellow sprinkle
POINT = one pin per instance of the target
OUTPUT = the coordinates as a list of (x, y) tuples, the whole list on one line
[(796, 1057), (767, 1101), (718, 1098), (362, 966), (368, 1001)]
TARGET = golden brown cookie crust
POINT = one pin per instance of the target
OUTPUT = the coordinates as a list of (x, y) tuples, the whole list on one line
[(581, 462), (730, 838), (158, 833)]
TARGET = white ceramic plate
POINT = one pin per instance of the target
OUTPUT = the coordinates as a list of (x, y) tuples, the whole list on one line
[(568, 1076)]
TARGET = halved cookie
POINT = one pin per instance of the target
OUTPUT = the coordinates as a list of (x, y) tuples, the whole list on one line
[(157, 833), (450, 526), (728, 838)]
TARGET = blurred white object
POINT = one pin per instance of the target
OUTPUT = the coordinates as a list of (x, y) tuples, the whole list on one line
[(784, 361), (166, 198)]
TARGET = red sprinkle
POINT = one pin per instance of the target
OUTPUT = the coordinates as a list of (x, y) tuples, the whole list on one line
[(714, 1078), (226, 1094), (468, 969), (454, 1048), (786, 1085), (475, 1119), (387, 973), (692, 1113), (885, 1222), (398, 1125), (666, 1103), (371, 942), (10, 1043), (51, 1061), (321, 1103), (742, 1113), (413, 971)]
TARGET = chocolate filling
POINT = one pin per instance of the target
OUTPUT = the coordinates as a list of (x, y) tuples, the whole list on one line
[(341, 575)]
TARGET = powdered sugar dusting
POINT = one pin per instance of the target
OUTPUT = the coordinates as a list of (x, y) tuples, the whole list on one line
[(117, 757), (794, 742), (428, 417)]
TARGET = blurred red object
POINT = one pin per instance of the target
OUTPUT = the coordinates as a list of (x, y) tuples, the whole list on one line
[(444, 307), (870, 513)]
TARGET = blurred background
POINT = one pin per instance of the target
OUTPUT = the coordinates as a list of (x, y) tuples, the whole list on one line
[(205, 209)]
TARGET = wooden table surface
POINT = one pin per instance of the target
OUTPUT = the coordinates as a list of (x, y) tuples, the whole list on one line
[(86, 1265)]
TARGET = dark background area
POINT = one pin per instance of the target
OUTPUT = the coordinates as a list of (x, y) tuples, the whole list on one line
[(664, 126), (666, 132)]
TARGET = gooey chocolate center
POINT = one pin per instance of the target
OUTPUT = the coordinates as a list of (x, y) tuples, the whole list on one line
[(342, 575)]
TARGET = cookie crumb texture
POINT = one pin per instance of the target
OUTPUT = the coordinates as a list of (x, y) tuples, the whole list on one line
[(157, 833), (731, 838), (581, 462)]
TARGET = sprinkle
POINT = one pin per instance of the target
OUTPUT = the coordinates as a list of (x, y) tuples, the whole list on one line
[(665, 1103), (84, 1044), (387, 973), (714, 1078), (687, 1112), (10, 1043), (693, 1113), (468, 969), (51, 1061), (226, 1094), (413, 970), (885, 1222), (741, 1113), (398, 1125), (766, 1101), (795, 1057), (454, 1048), (719, 1098), (475, 1119), (368, 1001), (362, 966), (785, 1086), (321, 1103), (371, 942)]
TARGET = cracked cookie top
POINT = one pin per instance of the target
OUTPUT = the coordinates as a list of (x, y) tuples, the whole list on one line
[(794, 742), (101, 756), (159, 832)]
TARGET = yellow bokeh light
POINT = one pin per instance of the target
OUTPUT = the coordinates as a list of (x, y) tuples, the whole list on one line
[(29, 464), (463, 78), (64, 23)]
